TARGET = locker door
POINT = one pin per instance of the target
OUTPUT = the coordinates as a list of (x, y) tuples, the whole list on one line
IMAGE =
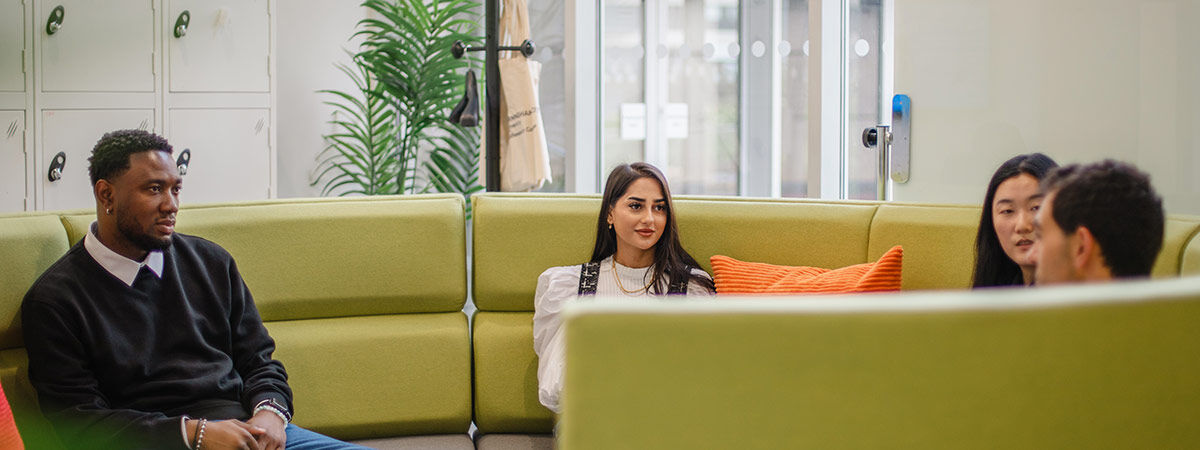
[(74, 133), (225, 48), (103, 46), (12, 161), (12, 41), (230, 153)]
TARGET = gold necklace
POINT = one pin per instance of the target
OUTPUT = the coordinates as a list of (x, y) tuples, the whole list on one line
[(617, 276)]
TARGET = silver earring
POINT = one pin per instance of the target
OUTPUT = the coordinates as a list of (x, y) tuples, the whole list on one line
[(609, 226), (108, 211)]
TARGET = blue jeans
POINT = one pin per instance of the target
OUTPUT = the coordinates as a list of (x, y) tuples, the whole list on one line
[(301, 439)]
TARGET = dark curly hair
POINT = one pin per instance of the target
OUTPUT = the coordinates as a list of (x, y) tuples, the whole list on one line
[(110, 156), (1117, 204)]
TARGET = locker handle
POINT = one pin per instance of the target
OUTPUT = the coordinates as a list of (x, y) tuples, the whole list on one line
[(182, 161), (56, 19), (56, 166), (181, 24)]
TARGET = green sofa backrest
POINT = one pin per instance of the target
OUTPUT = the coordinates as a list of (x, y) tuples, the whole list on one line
[(1108, 366), (305, 259), (363, 296)]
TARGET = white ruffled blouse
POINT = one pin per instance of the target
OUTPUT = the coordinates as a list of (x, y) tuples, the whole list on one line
[(557, 287)]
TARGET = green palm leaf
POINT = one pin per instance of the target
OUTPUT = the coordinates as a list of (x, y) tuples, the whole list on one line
[(406, 81)]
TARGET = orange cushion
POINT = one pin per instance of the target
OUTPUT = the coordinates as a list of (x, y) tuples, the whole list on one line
[(740, 277), (10, 439)]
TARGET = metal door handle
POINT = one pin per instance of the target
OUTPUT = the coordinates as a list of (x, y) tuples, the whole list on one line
[(181, 24), (880, 136), (56, 167), (182, 161), (894, 142), (54, 23)]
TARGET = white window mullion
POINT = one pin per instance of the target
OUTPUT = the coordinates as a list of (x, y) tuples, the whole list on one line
[(761, 88), (827, 99), (582, 56), (656, 81)]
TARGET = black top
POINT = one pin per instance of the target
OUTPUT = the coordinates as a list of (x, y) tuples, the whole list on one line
[(117, 366)]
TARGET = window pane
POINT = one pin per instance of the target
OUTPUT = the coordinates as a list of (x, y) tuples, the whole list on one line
[(862, 53), (702, 85), (794, 99), (622, 81), (546, 29)]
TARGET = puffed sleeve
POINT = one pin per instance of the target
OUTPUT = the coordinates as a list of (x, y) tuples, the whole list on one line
[(696, 289), (556, 287)]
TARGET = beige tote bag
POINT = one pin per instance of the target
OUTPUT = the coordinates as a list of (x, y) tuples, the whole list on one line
[(524, 158)]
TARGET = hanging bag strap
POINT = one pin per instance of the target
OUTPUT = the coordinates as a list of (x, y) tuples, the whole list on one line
[(589, 274), (679, 284)]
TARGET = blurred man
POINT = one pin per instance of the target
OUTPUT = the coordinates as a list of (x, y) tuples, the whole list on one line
[(1098, 222)]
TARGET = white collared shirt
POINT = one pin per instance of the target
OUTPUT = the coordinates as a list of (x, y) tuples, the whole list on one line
[(123, 268)]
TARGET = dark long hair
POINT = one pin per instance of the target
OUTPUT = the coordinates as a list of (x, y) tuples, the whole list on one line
[(670, 259), (992, 266)]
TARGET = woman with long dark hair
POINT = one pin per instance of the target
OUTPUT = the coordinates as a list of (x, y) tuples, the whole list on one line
[(637, 254), (1004, 243)]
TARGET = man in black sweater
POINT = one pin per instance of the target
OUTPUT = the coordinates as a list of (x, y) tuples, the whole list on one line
[(140, 337)]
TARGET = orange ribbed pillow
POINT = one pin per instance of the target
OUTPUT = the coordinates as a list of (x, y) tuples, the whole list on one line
[(10, 439), (740, 277)]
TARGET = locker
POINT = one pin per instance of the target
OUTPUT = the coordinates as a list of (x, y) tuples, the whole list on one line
[(103, 46), (230, 153), (224, 47), (74, 133), (12, 161), (12, 41)]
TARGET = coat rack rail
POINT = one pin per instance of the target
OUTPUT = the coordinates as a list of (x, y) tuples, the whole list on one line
[(459, 49)]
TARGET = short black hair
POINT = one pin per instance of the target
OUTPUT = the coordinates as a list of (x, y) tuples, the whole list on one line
[(1117, 204), (110, 156)]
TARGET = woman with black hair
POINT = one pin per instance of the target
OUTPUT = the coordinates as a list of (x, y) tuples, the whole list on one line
[(637, 254), (1004, 243)]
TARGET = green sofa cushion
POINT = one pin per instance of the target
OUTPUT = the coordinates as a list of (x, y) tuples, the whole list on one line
[(1178, 231), (307, 259), (793, 232), (895, 372), (29, 244), (1190, 262), (506, 375), (516, 237), (938, 241), (378, 376)]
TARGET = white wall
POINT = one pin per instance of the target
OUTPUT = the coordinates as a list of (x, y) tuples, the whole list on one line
[(311, 36), (1079, 80)]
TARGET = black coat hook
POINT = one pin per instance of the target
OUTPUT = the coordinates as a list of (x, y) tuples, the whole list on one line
[(459, 49)]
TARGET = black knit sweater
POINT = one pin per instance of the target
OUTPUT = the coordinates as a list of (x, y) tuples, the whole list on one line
[(116, 367)]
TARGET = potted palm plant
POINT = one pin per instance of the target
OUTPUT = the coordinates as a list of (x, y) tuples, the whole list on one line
[(392, 136)]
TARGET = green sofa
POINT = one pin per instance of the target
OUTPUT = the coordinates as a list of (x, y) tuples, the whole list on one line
[(1099, 366), (365, 296), (517, 236)]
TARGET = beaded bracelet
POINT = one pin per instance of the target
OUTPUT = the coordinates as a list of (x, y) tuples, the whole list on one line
[(200, 434), (273, 409)]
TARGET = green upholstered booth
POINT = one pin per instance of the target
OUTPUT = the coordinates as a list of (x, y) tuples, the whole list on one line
[(1102, 366), (363, 296)]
